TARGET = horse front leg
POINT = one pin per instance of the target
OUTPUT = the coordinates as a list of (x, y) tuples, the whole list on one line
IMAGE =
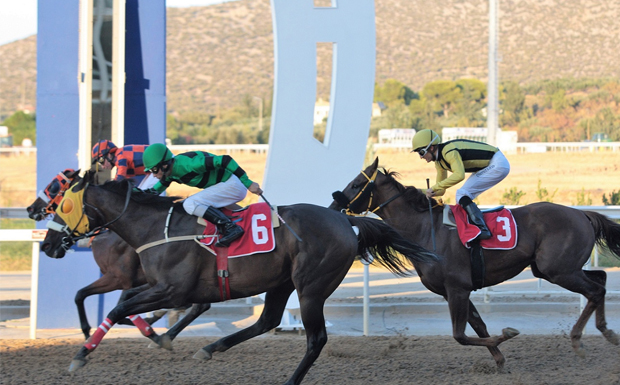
[(476, 322), (152, 299), (458, 303), (270, 318), (104, 284), (312, 315)]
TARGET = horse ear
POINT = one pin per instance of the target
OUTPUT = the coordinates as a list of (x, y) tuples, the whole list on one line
[(73, 174), (376, 163)]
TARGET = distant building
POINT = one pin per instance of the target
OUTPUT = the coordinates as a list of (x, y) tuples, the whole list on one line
[(321, 110)]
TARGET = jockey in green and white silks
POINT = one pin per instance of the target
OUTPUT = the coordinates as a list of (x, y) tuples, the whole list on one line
[(221, 179), (486, 163)]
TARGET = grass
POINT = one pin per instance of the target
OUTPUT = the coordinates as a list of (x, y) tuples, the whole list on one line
[(15, 256), (571, 177)]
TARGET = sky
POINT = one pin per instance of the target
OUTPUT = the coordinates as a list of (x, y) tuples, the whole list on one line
[(18, 18)]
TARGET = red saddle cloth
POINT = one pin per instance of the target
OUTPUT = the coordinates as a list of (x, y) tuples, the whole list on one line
[(501, 224), (258, 237)]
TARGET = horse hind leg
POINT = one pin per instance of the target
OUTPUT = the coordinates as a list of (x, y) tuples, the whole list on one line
[(476, 322), (600, 277), (581, 282), (270, 318)]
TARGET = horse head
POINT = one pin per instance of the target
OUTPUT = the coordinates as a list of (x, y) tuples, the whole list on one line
[(49, 198), (70, 223), (58, 239), (357, 197)]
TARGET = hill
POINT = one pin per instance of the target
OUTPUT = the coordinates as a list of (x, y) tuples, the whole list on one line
[(219, 53)]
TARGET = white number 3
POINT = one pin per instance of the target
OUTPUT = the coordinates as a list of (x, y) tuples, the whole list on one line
[(506, 227)]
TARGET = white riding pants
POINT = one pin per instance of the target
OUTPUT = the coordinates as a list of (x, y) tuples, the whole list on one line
[(219, 195), (148, 181), (482, 180)]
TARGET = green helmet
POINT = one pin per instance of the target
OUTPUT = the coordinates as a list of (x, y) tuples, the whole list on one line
[(155, 155), (424, 139)]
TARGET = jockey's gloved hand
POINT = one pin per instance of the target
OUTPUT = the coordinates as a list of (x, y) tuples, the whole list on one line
[(136, 189)]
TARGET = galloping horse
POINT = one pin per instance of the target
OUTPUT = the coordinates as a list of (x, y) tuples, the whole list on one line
[(184, 272), (556, 241), (118, 262)]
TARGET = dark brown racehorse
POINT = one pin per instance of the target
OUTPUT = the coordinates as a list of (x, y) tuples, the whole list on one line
[(556, 241), (118, 262), (183, 272)]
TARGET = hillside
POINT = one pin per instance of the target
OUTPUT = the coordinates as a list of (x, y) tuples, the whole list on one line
[(219, 53)]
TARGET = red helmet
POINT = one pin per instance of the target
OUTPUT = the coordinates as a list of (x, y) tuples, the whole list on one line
[(102, 149)]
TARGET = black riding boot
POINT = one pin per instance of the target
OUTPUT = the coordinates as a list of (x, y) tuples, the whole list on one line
[(475, 217), (229, 230)]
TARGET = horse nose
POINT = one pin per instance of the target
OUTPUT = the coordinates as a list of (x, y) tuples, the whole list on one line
[(45, 246)]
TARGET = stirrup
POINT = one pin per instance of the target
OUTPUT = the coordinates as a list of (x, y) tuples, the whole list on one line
[(229, 236)]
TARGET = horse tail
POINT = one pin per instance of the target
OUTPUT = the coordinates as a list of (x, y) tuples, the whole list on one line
[(607, 231), (380, 240)]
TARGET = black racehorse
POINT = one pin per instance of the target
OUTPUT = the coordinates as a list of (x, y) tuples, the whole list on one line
[(556, 241), (184, 272), (118, 262)]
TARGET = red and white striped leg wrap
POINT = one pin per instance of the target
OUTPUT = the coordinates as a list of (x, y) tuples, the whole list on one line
[(141, 324), (101, 331)]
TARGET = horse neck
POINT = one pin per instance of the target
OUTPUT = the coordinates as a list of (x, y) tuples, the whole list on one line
[(402, 215), (134, 224)]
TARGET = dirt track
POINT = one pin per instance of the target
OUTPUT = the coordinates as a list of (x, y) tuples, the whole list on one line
[(345, 360)]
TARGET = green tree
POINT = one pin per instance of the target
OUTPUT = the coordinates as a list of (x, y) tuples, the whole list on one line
[(393, 93), (512, 102), (469, 106), (22, 125), (442, 95)]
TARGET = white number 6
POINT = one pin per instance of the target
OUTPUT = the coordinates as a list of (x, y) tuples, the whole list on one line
[(260, 235)]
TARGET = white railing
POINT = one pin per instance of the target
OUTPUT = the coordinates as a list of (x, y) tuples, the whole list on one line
[(227, 148), (18, 150), (532, 147)]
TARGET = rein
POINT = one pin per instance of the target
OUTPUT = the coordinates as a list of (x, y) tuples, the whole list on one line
[(75, 235), (366, 192)]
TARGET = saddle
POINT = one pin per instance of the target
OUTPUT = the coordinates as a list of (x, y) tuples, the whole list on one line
[(503, 228), (257, 222)]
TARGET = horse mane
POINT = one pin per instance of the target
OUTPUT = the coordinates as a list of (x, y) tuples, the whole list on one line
[(120, 188), (411, 194)]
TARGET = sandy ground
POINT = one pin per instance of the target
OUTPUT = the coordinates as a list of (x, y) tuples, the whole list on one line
[(272, 359)]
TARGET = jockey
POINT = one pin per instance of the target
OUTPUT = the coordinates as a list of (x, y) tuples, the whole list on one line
[(127, 160), (486, 163), (222, 180)]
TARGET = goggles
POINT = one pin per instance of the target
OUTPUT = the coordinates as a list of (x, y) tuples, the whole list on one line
[(423, 151)]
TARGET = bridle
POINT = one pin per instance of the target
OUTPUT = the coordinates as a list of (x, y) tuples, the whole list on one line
[(77, 233), (353, 206), (53, 198)]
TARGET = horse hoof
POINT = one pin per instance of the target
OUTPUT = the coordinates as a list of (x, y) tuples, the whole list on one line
[(510, 333), (203, 355), (612, 337), (76, 363), (165, 342), (154, 345), (578, 348)]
